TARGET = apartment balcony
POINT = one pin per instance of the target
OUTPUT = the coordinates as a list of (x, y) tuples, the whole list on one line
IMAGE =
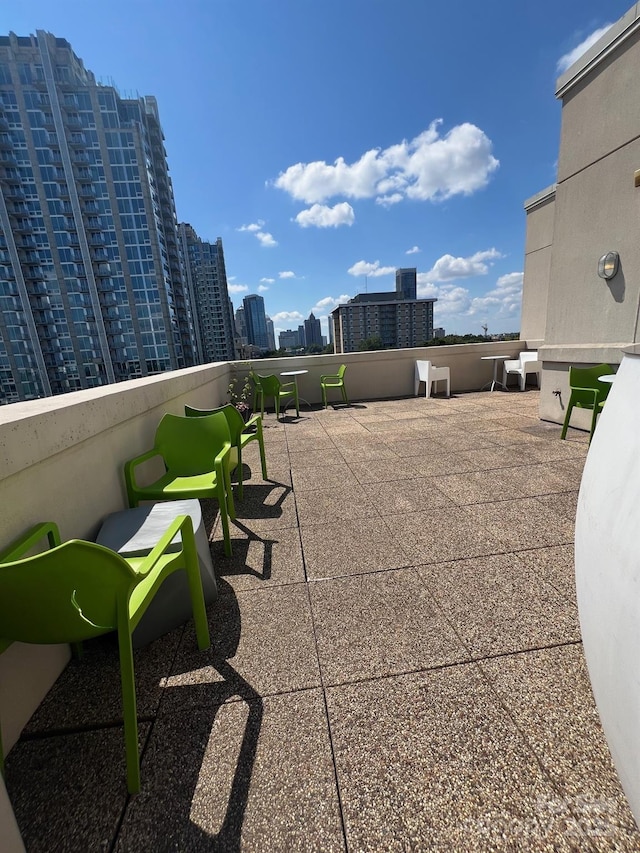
[(396, 660)]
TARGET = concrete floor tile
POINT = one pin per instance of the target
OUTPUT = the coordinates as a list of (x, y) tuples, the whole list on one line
[(556, 565), (383, 470), (89, 690), (522, 523), (254, 775), (264, 505), (482, 486), (311, 479), (68, 792), (265, 635), (431, 761), (501, 604), (549, 696), (270, 557), (441, 534), (399, 497), (379, 624), (331, 506), (301, 459), (362, 545)]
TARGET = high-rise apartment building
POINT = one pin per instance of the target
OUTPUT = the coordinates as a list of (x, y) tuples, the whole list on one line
[(207, 280), (312, 331), (289, 339), (398, 322), (256, 321), (91, 273), (271, 334)]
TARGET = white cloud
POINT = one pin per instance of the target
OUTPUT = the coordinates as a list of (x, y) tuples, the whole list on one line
[(326, 305), (504, 300), (266, 239), (568, 59), (326, 217), (287, 317), (429, 167), (389, 200), (237, 288), (413, 251), (370, 269), (448, 268), (455, 303), (268, 280), (262, 288), (263, 237), (286, 274)]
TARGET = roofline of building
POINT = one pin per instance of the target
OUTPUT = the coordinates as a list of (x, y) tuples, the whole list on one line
[(540, 198), (619, 32)]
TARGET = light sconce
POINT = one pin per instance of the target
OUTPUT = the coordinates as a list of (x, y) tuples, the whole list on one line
[(608, 265)]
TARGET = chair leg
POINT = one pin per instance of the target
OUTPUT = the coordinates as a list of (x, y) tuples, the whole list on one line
[(567, 417), (263, 458), (324, 396), (194, 579), (129, 711), (344, 394), (240, 472), (223, 489)]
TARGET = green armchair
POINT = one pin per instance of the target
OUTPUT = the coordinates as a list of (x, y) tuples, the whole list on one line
[(241, 434), (196, 456), (271, 386), (334, 380), (587, 392), (78, 590)]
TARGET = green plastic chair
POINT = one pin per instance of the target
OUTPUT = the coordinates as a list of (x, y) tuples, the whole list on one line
[(196, 453), (241, 434), (334, 380), (257, 391), (271, 386), (587, 392), (78, 590)]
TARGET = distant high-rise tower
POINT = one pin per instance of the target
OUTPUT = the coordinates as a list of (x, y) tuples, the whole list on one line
[(271, 334), (256, 321), (312, 331), (207, 279), (91, 276), (406, 282)]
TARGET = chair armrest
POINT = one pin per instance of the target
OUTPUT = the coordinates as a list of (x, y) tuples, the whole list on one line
[(132, 464), (254, 420), (595, 391), (181, 524), (330, 376), (512, 365), (24, 543), (220, 458)]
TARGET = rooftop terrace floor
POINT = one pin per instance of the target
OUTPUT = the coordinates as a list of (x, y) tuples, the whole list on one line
[(396, 659)]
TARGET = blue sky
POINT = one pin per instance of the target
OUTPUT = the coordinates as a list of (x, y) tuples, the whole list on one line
[(328, 143)]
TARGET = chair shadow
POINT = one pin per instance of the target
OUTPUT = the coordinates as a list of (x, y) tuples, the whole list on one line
[(184, 772)]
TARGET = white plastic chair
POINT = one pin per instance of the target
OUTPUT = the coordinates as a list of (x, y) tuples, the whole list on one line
[(527, 362), (427, 373)]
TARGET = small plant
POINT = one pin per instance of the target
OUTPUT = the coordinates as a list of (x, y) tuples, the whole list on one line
[(239, 392)]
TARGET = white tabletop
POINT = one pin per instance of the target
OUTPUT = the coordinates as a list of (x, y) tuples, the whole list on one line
[(608, 377), (293, 372), (493, 357)]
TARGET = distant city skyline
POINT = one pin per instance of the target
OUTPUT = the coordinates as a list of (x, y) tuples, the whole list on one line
[(329, 151)]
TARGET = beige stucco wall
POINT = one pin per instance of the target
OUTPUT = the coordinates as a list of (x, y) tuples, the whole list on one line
[(537, 264), (596, 210)]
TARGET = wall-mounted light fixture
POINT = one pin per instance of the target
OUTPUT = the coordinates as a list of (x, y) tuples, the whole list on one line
[(608, 265)]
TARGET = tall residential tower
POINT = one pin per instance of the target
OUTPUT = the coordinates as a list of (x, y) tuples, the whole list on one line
[(207, 280), (91, 274)]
